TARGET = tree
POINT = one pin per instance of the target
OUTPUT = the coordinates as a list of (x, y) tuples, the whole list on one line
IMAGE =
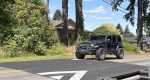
[(32, 32), (127, 32), (6, 20), (57, 15), (64, 20), (106, 29), (119, 27), (48, 9), (146, 24), (79, 19), (142, 9)]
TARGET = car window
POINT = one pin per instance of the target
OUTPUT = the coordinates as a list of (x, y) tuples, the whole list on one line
[(97, 38), (119, 39), (109, 38), (114, 39)]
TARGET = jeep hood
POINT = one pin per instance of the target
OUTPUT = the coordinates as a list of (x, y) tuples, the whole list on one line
[(91, 42)]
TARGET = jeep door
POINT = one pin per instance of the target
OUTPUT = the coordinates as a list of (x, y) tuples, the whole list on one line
[(114, 43), (109, 43)]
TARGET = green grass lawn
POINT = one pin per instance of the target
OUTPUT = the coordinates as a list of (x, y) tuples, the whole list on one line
[(35, 57)]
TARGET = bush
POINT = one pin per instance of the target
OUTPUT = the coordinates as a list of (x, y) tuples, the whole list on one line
[(11, 49), (56, 49), (31, 31), (40, 49), (130, 47)]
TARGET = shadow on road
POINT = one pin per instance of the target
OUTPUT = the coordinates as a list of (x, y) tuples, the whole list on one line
[(107, 58)]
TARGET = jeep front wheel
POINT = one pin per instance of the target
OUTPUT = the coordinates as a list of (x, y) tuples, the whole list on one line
[(120, 53), (79, 56), (100, 54)]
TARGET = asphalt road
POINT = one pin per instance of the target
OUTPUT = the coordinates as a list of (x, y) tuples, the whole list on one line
[(68, 69)]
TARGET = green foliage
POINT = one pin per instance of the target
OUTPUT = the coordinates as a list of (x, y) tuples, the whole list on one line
[(130, 47), (5, 20), (146, 24), (106, 29), (11, 49), (119, 27), (56, 50), (30, 31), (40, 48)]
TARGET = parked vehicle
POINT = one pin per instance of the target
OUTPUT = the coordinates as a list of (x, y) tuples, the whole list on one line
[(100, 45)]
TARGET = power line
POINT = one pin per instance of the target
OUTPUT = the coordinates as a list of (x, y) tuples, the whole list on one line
[(118, 9), (112, 5)]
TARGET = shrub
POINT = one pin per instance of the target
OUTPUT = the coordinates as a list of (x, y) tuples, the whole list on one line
[(130, 47), (56, 49), (40, 48), (11, 49)]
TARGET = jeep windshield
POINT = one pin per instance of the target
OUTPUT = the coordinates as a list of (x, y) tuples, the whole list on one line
[(98, 38)]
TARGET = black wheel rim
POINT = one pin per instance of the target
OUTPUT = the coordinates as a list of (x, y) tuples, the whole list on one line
[(121, 53), (102, 56)]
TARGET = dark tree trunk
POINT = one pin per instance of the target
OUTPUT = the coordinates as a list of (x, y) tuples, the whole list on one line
[(140, 25), (79, 19), (64, 21), (48, 10)]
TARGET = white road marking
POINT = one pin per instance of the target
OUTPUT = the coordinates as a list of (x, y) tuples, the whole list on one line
[(77, 76), (57, 77), (133, 78)]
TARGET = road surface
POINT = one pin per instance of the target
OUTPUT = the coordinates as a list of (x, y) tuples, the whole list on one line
[(73, 69)]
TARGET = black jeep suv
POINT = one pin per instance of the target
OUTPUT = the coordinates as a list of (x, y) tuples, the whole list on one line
[(100, 45)]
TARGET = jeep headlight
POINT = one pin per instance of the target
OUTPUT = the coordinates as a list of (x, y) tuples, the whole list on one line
[(92, 45)]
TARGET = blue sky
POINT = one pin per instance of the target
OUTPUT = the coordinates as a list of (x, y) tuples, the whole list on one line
[(96, 12)]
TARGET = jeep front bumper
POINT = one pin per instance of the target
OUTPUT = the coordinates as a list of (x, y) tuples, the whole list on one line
[(86, 51)]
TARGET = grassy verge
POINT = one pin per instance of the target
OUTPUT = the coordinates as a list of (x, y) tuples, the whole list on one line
[(35, 57)]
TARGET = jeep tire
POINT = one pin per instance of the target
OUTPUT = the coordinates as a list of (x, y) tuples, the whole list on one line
[(120, 53), (100, 54), (79, 56)]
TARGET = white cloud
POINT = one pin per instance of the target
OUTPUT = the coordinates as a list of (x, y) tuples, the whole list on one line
[(99, 17), (88, 0), (99, 9)]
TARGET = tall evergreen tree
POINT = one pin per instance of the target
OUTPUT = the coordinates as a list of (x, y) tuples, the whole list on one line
[(6, 20), (79, 18), (119, 27), (57, 15), (142, 9), (127, 31), (64, 20)]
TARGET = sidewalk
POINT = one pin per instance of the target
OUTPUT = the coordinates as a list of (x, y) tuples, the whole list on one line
[(10, 74)]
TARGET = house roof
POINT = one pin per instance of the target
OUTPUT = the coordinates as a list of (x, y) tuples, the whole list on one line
[(59, 24), (134, 39), (56, 22)]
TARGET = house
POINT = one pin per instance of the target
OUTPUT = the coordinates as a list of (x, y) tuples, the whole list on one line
[(145, 42), (71, 29)]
